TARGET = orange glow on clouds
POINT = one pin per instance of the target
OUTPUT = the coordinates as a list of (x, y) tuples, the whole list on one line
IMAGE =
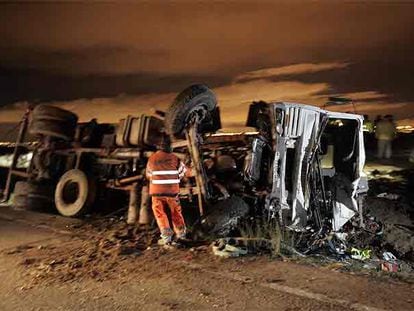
[(233, 98)]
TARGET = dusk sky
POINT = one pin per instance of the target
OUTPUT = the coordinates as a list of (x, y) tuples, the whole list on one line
[(109, 60)]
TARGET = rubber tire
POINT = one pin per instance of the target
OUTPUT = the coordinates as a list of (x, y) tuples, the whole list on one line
[(41, 190), (20, 192), (33, 196), (19, 202), (39, 203), (225, 216), (53, 128), (85, 198), (21, 188), (47, 112), (194, 97)]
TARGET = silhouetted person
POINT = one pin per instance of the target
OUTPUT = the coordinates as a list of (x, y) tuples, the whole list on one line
[(378, 118), (385, 134)]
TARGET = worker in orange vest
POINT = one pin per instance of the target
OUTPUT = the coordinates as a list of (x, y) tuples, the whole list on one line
[(164, 171)]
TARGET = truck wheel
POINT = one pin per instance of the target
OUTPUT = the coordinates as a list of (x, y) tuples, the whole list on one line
[(46, 112), (225, 216), (33, 196), (75, 193), (21, 188), (39, 203), (43, 191), (193, 98), (53, 128)]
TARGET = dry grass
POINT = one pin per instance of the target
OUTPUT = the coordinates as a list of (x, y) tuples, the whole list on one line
[(264, 230)]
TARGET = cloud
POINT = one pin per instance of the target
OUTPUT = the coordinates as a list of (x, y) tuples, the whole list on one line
[(234, 97), (116, 108), (100, 60), (406, 122), (365, 96), (295, 69), (177, 38), (234, 100), (357, 97), (399, 110)]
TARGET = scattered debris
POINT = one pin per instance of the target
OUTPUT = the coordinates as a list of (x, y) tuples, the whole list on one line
[(388, 256), (96, 252), (228, 247), (388, 196), (390, 264), (19, 249), (240, 246), (361, 254)]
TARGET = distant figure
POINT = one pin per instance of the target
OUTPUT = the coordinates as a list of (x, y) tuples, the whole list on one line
[(385, 133), (378, 118)]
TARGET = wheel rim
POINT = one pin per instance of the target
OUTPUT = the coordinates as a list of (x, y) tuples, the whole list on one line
[(70, 192)]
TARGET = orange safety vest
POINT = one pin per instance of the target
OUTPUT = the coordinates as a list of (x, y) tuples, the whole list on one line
[(164, 170)]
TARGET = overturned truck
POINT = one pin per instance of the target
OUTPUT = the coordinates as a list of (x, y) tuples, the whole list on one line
[(301, 166)]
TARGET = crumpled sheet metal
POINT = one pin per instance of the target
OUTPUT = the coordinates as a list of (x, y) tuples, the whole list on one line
[(301, 129)]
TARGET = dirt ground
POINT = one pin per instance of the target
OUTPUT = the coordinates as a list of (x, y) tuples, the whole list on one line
[(52, 263), (43, 266)]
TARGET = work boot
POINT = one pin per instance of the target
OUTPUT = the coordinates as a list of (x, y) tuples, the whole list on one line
[(163, 241), (181, 235)]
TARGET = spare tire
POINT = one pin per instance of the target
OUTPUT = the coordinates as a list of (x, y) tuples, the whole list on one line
[(53, 128), (193, 98), (46, 112), (75, 193)]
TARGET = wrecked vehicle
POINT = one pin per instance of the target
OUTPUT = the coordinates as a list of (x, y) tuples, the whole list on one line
[(73, 165), (301, 166), (316, 182)]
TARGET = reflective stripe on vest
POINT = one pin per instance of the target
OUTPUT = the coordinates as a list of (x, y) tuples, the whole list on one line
[(165, 181), (163, 170), (173, 172)]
